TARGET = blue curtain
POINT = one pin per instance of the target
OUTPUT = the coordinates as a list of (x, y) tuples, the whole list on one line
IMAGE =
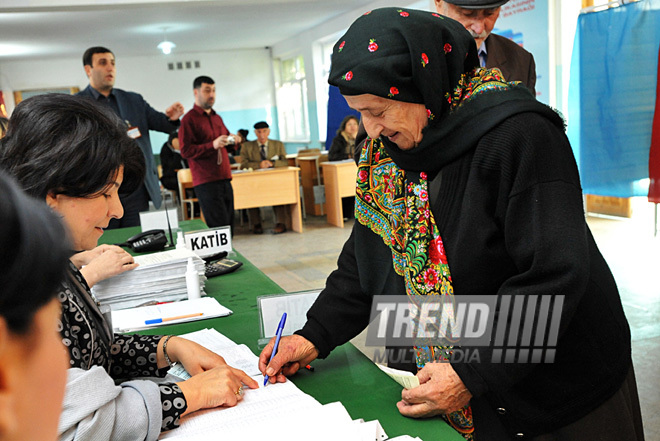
[(337, 110), (612, 97)]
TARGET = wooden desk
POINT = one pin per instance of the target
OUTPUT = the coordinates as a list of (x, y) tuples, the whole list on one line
[(265, 188), (291, 159), (339, 178), (309, 177), (346, 375)]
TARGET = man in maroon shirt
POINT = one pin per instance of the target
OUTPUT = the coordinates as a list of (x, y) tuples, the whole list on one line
[(204, 143)]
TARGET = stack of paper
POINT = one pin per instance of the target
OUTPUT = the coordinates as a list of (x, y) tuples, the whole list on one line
[(145, 317), (161, 277), (278, 411)]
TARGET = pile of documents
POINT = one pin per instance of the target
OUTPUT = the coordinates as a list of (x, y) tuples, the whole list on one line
[(147, 317), (161, 277), (278, 411)]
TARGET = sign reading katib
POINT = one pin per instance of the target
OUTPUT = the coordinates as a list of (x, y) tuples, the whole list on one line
[(209, 242)]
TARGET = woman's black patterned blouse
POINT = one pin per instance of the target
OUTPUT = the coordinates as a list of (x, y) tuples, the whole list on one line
[(91, 342)]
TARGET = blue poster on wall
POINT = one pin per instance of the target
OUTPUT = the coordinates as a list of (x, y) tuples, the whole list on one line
[(526, 23)]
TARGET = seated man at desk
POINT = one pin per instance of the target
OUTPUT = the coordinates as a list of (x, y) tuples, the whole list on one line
[(262, 154)]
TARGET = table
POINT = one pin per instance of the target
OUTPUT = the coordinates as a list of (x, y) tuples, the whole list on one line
[(346, 375), (268, 187), (339, 178)]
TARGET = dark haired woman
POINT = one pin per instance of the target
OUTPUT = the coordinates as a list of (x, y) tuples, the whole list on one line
[(75, 155), (343, 145), (33, 360)]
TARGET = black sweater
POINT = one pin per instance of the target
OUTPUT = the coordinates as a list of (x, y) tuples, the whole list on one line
[(511, 217)]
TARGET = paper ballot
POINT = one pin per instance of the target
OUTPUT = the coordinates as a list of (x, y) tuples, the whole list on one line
[(404, 378), (277, 412)]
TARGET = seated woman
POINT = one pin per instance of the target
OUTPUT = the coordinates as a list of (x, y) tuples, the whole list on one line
[(343, 146), (171, 161), (75, 155), (33, 361)]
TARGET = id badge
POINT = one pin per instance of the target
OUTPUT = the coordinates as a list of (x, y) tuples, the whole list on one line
[(134, 132)]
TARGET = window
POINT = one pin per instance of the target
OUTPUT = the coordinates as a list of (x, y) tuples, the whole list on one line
[(325, 52), (291, 95)]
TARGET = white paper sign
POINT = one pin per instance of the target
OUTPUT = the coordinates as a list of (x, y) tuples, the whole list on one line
[(272, 307), (157, 220)]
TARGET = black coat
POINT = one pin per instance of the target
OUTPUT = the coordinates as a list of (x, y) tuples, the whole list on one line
[(511, 218)]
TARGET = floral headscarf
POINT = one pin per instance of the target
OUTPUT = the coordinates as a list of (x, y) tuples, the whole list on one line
[(425, 58)]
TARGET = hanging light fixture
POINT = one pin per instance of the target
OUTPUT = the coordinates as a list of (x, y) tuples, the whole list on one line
[(166, 46)]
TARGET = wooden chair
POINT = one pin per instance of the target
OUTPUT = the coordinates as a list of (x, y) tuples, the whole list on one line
[(185, 182), (307, 153)]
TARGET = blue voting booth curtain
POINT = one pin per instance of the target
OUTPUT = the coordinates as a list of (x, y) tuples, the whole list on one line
[(337, 110), (612, 97)]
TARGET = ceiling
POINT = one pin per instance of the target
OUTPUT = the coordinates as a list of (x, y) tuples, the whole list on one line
[(31, 29)]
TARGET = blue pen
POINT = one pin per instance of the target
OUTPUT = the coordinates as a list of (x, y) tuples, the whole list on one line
[(167, 319), (278, 334)]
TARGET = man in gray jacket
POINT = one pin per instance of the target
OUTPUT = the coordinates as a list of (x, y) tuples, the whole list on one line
[(139, 117)]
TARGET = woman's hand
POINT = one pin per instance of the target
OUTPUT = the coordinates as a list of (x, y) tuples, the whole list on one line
[(441, 391), (103, 262), (293, 352), (194, 357), (220, 386), (84, 257)]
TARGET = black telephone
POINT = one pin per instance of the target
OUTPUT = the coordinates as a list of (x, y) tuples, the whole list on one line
[(151, 240)]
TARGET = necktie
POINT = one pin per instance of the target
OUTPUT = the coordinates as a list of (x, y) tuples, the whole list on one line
[(263, 152), (482, 58)]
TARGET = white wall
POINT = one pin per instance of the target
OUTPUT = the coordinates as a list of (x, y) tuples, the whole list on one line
[(244, 83), (243, 78)]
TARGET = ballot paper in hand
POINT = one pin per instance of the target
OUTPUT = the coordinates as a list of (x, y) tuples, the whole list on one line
[(404, 378)]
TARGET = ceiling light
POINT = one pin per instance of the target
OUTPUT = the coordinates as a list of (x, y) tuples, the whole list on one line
[(166, 46)]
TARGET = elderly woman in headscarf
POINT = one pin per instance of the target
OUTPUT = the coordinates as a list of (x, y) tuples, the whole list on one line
[(467, 185)]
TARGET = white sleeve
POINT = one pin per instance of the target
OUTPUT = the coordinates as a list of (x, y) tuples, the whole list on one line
[(95, 409)]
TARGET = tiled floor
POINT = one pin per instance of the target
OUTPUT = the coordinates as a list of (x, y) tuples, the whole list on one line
[(299, 262)]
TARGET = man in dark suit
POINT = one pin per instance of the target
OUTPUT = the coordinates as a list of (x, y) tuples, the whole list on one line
[(479, 17), (140, 117), (261, 154)]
